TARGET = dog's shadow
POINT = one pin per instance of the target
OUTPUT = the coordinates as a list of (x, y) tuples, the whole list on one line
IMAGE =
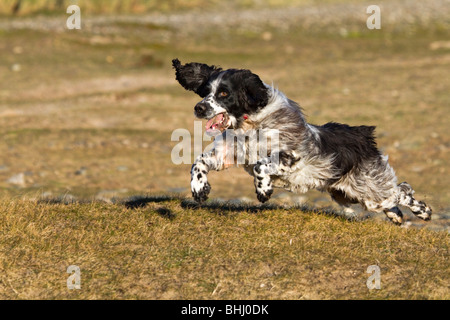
[(223, 208), (219, 207)]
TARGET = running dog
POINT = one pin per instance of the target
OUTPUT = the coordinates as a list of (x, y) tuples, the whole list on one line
[(340, 159)]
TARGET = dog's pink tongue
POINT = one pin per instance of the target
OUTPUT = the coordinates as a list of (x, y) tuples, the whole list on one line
[(212, 126)]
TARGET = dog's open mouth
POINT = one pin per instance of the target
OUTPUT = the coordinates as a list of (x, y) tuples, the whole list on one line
[(217, 124)]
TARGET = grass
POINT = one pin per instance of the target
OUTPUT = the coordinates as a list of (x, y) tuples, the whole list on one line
[(166, 248), (88, 115)]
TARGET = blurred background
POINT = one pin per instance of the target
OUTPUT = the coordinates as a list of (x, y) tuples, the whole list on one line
[(89, 113)]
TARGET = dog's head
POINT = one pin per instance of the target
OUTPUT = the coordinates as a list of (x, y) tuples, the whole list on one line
[(229, 96)]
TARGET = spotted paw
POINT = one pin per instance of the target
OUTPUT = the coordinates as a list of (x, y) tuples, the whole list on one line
[(201, 195), (200, 186), (424, 212), (264, 196), (263, 183)]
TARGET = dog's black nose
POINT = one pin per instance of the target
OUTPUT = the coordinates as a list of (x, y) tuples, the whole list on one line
[(200, 108)]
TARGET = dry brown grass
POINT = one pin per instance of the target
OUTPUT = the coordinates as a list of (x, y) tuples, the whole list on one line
[(165, 248)]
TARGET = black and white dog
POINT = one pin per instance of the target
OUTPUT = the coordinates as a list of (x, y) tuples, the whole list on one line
[(337, 158)]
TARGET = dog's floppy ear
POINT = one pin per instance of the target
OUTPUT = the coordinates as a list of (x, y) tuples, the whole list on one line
[(255, 92), (193, 76)]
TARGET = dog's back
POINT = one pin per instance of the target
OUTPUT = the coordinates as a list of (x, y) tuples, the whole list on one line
[(349, 145)]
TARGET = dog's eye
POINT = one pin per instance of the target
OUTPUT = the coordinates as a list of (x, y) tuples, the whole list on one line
[(223, 94)]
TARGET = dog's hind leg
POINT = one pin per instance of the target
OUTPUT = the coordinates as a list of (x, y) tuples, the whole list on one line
[(395, 215), (339, 197), (419, 208)]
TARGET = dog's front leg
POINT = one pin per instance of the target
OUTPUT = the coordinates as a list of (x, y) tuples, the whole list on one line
[(263, 183), (200, 186), (216, 159), (278, 164)]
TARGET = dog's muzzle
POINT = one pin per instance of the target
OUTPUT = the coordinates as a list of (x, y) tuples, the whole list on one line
[(200, 109)]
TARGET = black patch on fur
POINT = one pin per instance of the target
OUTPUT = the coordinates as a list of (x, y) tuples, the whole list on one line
[(247, 93), (194, 76), (350, 145)]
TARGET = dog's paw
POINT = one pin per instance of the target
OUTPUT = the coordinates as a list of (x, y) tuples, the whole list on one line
[(200, 187), (395, 215), (263, 183), (263, 186), (422, 211), (200, 195), (264, 196)]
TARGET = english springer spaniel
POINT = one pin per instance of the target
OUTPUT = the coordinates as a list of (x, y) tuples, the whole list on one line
[(340, 159)]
